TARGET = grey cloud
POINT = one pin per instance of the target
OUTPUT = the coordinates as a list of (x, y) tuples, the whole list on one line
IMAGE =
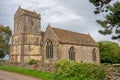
[(60, 10)]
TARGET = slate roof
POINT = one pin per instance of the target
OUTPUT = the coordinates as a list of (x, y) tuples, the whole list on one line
[(70, 37)]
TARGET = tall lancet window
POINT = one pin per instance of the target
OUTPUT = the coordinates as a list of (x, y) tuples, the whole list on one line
[(49, 49), (72, 53), (94, 54)]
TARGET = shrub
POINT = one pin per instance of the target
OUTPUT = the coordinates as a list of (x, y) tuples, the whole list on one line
[(2, 55), (109, 52), (32, 61), (71, 70)]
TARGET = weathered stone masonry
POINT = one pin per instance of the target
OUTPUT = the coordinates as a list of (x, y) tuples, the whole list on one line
[(28, 42), (85, 48), (26, 39)]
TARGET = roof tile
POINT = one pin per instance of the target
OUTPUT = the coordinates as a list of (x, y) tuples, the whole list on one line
[(70, 37)]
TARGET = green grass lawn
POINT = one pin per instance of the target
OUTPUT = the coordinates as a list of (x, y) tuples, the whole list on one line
[(40, 74), (34, 73)]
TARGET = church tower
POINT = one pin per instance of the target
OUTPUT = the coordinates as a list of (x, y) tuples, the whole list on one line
[(27, 36)]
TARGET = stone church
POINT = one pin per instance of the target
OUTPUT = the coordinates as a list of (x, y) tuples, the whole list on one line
[(29, 42)]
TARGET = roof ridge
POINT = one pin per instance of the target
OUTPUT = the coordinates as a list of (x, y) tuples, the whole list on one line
[(66, 36), (69, 31)]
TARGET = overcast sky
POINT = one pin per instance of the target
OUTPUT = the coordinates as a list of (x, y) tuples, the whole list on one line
[(73, 15)]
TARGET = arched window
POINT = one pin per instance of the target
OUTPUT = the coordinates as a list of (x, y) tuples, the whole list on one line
[(94, 54), (49, 49), (72, 53)]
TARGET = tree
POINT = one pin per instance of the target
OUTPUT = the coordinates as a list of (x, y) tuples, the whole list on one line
[(5, 34), (101, 5), (111, 23), (109, 52)]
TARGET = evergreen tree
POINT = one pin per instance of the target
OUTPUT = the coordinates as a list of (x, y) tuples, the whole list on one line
[(111, 23), (101, 5)]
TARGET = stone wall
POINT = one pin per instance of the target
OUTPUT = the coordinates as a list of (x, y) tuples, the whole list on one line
[(82, 53), (26, 22), (50, 35), (61, 51), (27, 36), (25, 45), (32, 25)]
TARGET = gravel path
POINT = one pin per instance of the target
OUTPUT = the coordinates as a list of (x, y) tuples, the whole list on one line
[(4, 75)]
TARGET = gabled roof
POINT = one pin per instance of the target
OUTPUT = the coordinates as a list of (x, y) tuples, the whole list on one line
[(70, 37)]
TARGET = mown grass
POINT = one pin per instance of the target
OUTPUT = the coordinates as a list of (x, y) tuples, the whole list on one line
[(29, 72)]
